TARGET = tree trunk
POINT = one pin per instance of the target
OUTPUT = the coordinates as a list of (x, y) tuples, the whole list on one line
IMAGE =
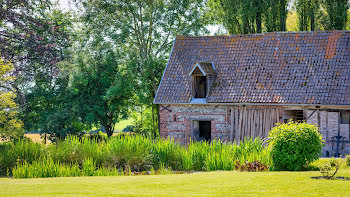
[(258, 16), (109, 125), (312, 20), (258, 22), (109, 130)]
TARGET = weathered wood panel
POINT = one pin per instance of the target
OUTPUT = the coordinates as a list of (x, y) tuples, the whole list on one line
[(255, 122)]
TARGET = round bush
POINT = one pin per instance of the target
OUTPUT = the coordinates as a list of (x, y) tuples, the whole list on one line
[(294, 145)]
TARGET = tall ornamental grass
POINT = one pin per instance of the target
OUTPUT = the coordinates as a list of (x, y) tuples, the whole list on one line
[(22, 150), (127, 153)]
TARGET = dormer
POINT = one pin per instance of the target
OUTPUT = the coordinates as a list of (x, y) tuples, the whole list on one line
[(203, 76)]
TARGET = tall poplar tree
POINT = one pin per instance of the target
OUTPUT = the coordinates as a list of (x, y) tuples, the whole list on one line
[(249, 16), (307, 12), (337, 11)]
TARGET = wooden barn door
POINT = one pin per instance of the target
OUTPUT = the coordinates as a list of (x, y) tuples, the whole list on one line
[(255, 122)]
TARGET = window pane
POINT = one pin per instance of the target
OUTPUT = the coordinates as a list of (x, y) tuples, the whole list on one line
[(344, 117)]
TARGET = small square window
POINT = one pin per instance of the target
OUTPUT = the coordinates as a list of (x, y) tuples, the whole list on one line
[(344, 117)]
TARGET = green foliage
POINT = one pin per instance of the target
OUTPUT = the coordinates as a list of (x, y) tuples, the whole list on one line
[(49, 109), (22, 150), (36, 36), (143, 121), (292, 18), (88, 167), (129, 153), (250, 16), (347, 158), (101, 89), (10, 126), (330, 168), (307, 14), (275, 15), (294, 145), (142, 32), (337, 14), (45, 168)]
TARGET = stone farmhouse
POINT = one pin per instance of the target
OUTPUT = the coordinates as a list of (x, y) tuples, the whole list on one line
[(238, 86)]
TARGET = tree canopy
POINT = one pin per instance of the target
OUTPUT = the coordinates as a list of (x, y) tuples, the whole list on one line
[(10, 126), (74, 70)]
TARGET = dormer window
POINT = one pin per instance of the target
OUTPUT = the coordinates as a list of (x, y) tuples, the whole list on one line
[(200, 86), (203, 75)]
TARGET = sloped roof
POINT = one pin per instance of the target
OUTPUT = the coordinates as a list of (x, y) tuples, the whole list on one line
[(283, 68)]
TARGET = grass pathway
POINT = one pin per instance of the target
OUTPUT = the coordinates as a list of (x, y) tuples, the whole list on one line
[(198, 184)]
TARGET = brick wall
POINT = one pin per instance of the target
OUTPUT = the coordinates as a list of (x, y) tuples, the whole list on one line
[(176, 120), (329, 126)]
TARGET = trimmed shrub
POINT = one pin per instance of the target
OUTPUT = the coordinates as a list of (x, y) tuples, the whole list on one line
[(294, 145), (330, 168), (347, 158)]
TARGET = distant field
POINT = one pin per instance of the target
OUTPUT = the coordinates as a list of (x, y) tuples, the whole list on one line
[(122, 124), (218, 183), (35, 137)]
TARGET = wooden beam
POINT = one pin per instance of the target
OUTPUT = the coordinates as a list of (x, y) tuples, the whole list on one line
[(232, 126), (310, 115), (237, 130)]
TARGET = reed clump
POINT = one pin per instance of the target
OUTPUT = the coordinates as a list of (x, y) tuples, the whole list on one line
[(124, 155)]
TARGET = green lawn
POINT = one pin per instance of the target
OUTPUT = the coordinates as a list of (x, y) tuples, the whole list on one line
[(122, 124), (197, 184)]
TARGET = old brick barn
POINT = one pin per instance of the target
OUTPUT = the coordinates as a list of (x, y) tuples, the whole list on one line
[(237, 86)]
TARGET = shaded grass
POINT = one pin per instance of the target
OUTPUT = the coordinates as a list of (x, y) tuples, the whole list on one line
[(218, 183), (122, 124)]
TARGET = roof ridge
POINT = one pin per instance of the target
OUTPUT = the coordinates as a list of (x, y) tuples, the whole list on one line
[(264, 33)]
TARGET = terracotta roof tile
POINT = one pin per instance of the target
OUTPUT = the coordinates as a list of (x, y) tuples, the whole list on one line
[(288, 68)]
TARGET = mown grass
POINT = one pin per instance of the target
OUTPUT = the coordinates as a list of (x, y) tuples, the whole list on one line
[(218, 183)]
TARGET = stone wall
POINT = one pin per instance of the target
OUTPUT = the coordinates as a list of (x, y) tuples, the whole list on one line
[(176, 120), (328, 121)]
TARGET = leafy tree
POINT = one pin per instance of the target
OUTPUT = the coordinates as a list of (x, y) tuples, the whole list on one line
[(275, 15), (36, 36), (249, 16), (10, 126), (348, 23), (49, 108), (307, 11), (143, 122), (145, 30), (337, 13), (33, 35), (101, 89)]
